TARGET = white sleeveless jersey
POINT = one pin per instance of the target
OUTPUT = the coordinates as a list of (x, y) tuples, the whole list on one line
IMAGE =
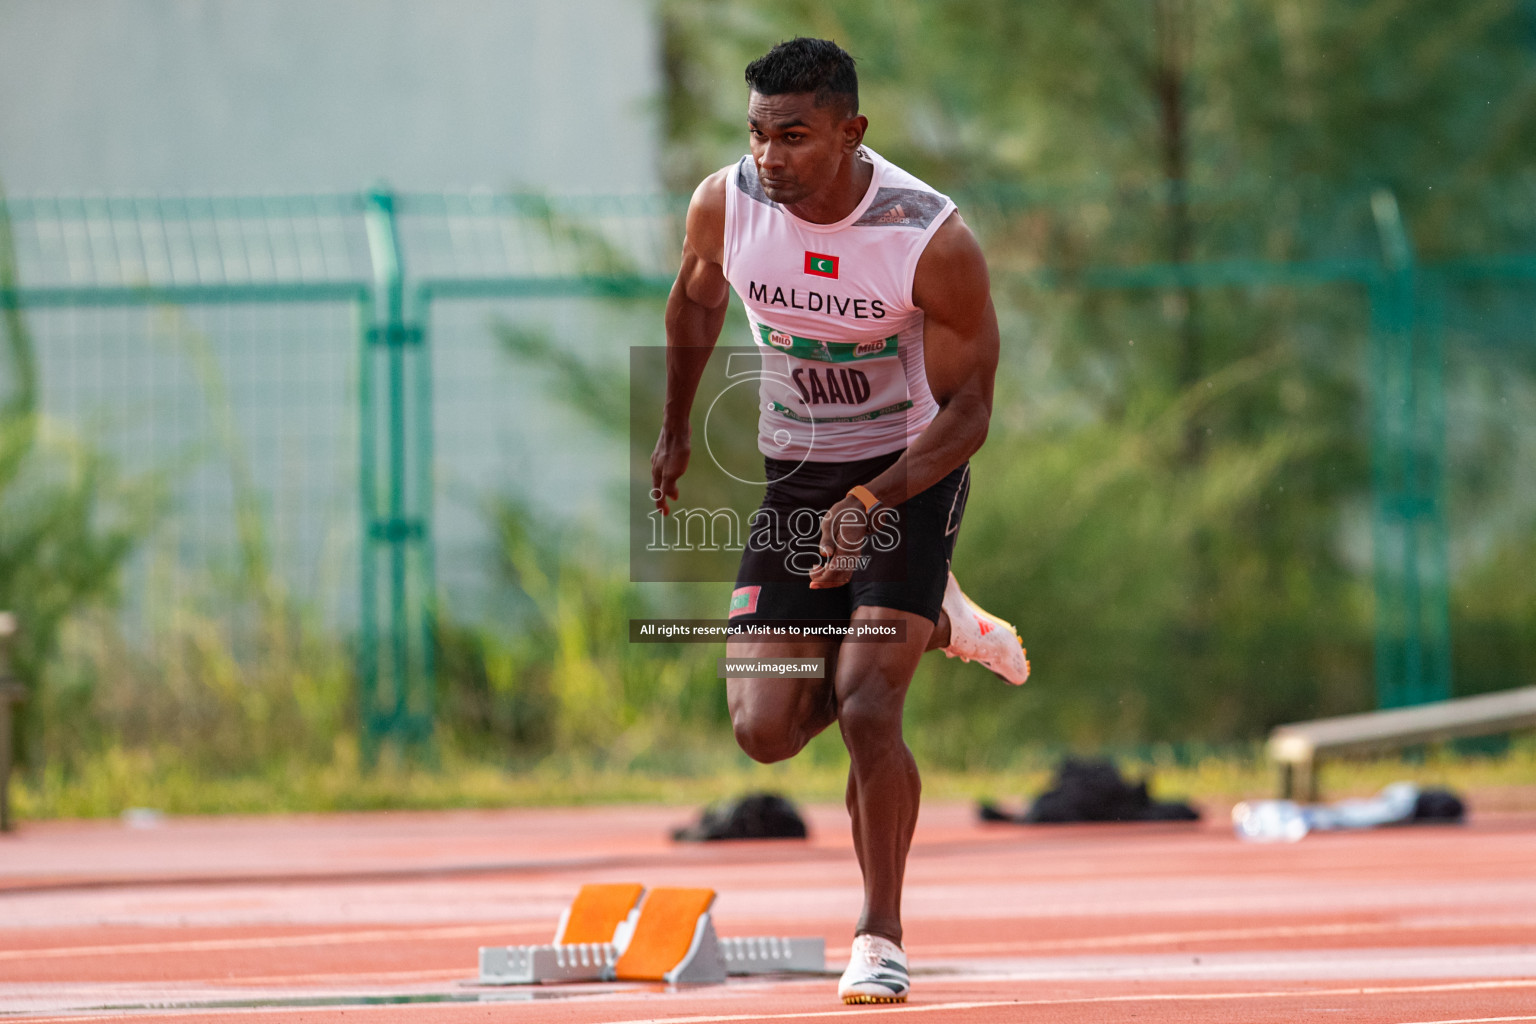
[(830, 309)]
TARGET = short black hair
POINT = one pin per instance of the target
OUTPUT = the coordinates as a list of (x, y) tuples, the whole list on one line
[(817, 66)]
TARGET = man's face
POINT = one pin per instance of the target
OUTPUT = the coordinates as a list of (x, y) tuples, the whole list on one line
[(798, 147)]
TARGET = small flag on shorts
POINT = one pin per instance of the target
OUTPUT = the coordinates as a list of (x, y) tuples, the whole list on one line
[(744, 601)]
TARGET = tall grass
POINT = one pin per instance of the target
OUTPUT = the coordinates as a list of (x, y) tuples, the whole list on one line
[(562, 680), (106, 782), (220, 671), (68, 521)]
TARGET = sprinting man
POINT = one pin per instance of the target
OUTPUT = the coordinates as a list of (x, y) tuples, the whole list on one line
[(868, 297)]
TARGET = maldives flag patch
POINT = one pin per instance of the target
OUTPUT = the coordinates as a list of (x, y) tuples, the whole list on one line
[(820, 265), (744, 601)]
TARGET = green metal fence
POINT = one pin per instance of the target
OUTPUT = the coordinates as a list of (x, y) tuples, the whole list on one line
[(1408, 300), (276, 351), (339, 352)]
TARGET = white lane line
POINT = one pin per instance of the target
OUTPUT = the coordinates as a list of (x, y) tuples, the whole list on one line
[(172, 1012), (1213, 934), (335, 978), (1171, 997), (473, 931), (270, 942), (1469, 1020), (1409, 964), (918, 1008)]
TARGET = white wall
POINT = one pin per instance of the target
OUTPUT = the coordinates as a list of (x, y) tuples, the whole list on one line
[(154, 96)]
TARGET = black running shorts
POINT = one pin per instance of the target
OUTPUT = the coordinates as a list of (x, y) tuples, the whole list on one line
[(905, 558)]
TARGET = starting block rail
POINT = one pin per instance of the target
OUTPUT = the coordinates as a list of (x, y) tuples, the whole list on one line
[(528, 965), (669, 937), (766, 954)]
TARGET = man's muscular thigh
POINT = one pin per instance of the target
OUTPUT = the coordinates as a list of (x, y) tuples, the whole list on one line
[(774, 717), (872, 677)]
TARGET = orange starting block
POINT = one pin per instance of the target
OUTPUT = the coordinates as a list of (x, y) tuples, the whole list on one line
[(621, 933)]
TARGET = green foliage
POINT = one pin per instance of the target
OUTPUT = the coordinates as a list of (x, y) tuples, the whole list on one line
[(1082, 535), (972, 93), (67, 522), (1171, 503), (558, 677), (108, 782), (223, 670), (1080, 526), (603, 397), (66, 527), (1172, 499), (223, 685), (561, 677)]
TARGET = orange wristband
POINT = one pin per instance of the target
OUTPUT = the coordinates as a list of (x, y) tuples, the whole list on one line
[(865, 495)]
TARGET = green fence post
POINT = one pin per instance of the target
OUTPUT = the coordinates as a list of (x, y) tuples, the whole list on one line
[(426, 623), (367, 597), (1407, 473), (396, 692)]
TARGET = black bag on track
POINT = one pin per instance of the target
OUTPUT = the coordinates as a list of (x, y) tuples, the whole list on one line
[(754, 816), (1092, 789)]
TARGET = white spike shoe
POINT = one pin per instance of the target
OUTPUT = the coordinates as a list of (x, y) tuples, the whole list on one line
[(877, 972), (978, 635)]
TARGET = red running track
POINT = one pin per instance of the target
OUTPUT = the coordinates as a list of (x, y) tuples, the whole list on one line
[(375, 919)]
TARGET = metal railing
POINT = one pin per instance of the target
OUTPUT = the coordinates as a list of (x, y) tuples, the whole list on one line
[(299, 309)]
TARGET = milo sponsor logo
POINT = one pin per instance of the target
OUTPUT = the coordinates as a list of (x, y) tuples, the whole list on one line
[(825, 351), (869, 348)]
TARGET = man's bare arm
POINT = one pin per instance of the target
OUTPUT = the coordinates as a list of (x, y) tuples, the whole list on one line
[(695, 313), (960, 350)]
